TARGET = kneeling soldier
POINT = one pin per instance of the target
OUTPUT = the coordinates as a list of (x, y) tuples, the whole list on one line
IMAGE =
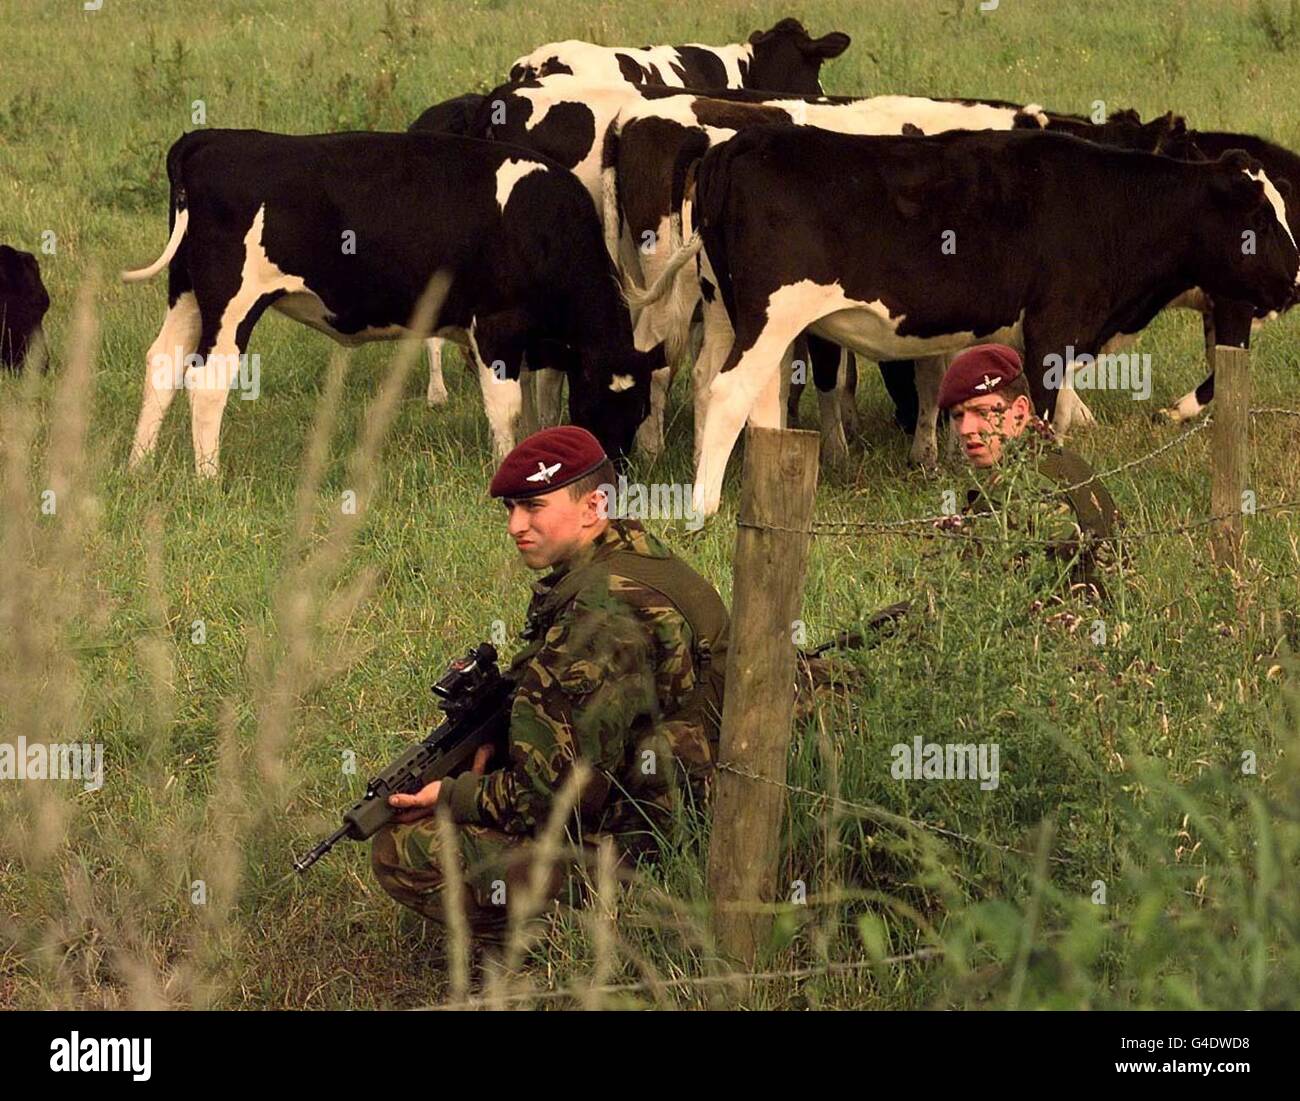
[(622, 668), (986, 397)]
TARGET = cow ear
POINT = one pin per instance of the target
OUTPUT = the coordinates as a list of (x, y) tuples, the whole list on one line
[(1236, 190), (1239, 160), (826, 47)]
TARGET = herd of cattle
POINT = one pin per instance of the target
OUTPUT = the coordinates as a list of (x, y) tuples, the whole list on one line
[(606, 210)]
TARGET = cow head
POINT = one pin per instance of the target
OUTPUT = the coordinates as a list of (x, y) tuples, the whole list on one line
[(1247, 250), (614, 397), (786, 59), (1125, 129), (23, 302)]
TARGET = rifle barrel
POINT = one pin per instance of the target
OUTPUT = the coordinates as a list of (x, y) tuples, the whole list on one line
[(320, 850)]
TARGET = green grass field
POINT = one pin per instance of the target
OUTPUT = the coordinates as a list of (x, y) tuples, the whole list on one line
[(1122, 763)]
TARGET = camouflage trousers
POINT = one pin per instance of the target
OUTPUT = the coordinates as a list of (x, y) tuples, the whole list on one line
[(495, 868)]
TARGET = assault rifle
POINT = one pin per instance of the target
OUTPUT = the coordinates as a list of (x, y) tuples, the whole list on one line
[(476, 697)]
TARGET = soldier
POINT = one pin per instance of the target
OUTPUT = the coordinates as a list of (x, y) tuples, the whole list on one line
[(1047, 495), (622, 668), (1061, 503)]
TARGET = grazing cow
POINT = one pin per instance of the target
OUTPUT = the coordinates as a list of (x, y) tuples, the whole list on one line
[(906, 246), (23, 303), (344, 232), (783, 59), (644, 145), (452, 116)]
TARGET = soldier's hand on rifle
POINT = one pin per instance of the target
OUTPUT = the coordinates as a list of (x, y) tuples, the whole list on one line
[(422, 803)]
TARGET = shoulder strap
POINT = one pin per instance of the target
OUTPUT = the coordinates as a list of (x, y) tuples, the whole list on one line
[(1092, 502), (686, 590)]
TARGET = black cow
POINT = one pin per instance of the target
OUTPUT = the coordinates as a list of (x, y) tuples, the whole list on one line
[(783, 59), (451, 116), (905, 246), (1227, 322), (23, 303), (345, 231)]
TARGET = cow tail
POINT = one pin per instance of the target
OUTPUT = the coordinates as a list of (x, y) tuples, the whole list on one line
[(708, 207), (611, 213), (178, 218), (675, 322)]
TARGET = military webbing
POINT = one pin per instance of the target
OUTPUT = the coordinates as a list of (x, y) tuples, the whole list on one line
[(1092, 502), (692, 596)]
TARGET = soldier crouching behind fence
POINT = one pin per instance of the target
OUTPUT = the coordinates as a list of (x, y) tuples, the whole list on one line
[(622, 668), (1047, 496)]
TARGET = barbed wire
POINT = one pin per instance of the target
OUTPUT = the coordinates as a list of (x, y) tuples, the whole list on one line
[(830, 528), (939, 526)]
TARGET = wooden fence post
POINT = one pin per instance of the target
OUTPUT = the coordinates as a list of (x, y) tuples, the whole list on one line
[(780, 482), (1231, 452)]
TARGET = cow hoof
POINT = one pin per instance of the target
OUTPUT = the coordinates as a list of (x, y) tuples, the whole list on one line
[(1166, 416), (835, 460), (437, 399), (924, 459)]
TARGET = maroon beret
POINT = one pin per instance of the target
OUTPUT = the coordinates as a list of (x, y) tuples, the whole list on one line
[(546, 461), (983, 369)]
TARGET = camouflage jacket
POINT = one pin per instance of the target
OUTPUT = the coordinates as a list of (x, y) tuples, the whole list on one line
[(1050, 497), (604, 677)]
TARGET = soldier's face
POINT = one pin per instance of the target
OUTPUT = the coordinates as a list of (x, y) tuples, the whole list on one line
[(984, 422), (551, 527)]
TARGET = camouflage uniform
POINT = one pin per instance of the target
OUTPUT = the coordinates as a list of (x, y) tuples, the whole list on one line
[(622, 668), (1071, 530), (1037, 489)]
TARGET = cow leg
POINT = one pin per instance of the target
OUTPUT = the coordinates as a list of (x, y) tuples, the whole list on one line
[(437, 394), (899, 376), (164, 365), (650, 436), (1070, 409), (925, 445), (718, 338), (746, 375), (227, 326), (209, 381), (849, 395), (503, 393), (502, 401), (550, 397), (803, 356), (1192, 405), (826, 360)]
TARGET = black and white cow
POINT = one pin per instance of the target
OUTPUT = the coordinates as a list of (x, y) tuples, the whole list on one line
[(264, 220), (452, 116), (645, 146), (783, 59), (903, 246), (23, 304), (566, 121), (1227, 322)]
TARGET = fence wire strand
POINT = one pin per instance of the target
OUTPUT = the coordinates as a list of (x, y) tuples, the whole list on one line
[(938, 526)]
